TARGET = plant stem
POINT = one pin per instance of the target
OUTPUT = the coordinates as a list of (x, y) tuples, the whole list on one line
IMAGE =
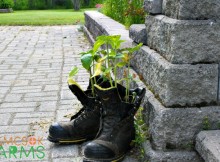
[(115, 73), (93, 62), (90, 72), (128, 82), (109, 65)]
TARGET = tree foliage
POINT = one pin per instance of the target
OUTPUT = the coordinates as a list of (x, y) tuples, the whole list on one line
[(53, 4), (125, 11), (6, 4), (42, 4)]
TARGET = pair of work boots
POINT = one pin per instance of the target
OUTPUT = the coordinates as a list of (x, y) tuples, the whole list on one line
[(106, 119)]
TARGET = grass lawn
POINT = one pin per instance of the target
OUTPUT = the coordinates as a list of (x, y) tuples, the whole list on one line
[(43, 17)]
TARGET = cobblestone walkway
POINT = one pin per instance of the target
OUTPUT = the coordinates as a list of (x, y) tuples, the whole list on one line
[(34, 64)]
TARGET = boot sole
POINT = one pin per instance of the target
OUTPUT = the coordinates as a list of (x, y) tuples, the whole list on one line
[(66, 141), (116, 159)]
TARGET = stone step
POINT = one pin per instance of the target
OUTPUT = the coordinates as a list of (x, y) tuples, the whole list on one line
[(98, 24), (208, 145), (138, 33), (184, 41)]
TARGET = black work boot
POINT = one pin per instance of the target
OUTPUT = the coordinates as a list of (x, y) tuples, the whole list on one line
[(118, 130), (85, 124)]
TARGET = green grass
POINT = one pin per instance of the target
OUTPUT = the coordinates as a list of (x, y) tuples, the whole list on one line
[(43, 17)]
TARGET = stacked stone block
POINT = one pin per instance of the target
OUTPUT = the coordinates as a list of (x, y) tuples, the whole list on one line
[(180, 65)]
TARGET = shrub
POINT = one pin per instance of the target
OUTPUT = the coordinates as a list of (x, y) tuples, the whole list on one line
[(134, 13), (21, 5), (38, 4), (6, 4), (115, 9), (42, 4), (125, 11)]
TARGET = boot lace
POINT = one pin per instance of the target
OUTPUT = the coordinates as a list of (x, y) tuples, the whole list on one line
[(87, 112)]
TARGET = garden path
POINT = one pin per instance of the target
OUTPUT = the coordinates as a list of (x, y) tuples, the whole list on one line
[(34, 65)]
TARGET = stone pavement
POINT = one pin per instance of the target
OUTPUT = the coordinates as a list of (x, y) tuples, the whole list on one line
[(34, 65)]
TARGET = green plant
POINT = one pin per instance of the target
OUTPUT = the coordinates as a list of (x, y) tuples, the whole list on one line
[(21, 5), (206, 123), (106, 62), (125, 11), (6, 4), (141, 132), (134, 13)]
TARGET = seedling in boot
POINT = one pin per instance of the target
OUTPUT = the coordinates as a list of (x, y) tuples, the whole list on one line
[(85, 124), (118, 129), (119, 103)]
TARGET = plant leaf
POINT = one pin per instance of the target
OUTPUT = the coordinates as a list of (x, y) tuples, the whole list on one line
[(73, 71), (86, 60), (121, 64), (132, 49), (102, 59), (125, 57), (87, 52), (112, 54), (97, 45), (119, 55), (98, 70), (97, 57), (108, 70)]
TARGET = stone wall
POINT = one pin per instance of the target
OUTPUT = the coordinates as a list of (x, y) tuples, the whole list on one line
[(98, 24), (185, 38), (180, 67)]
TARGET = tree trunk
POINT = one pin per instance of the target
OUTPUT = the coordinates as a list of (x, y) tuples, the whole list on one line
[(76, 4), (86, 2)]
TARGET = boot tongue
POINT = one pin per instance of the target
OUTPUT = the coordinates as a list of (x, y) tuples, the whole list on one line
[(108, 95)]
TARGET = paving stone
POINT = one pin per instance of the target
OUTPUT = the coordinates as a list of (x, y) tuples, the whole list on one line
[(42, 94), (18, 109), (48, 106), (4, 118), (72, 159), (20, 104), (13, 97), (40, 99), (60, 151), (13, 129), (21, 82), (51, 87), (4, 90), (35, 114), (66, 94), (26, 91), (18, 121)]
